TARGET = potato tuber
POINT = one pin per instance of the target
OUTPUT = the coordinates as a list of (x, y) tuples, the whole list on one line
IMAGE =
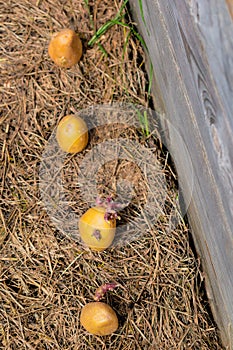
[(72, 134), (65, 48), (99, 318)]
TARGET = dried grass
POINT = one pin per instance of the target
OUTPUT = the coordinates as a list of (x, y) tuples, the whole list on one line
[(46, 277)]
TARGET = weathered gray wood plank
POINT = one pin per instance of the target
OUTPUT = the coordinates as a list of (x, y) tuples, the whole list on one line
[(191, 47)]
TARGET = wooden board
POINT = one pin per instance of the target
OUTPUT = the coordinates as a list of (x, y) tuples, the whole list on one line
[(190, 43)]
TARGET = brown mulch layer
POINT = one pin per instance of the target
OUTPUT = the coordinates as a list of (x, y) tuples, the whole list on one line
[(46, 277)]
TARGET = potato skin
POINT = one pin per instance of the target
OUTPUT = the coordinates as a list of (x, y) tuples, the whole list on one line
[(99, 318), (72, 134), (93, 221), (65, 48)]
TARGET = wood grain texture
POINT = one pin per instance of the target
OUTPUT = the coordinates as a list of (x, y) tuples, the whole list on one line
[(190, 44)]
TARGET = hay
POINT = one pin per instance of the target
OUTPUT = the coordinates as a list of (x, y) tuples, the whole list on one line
[(46, 277)]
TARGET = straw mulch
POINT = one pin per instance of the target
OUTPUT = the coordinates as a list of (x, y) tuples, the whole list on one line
[(46, 277)]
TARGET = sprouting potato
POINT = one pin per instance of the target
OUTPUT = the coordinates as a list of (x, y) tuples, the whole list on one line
[(96, 231)]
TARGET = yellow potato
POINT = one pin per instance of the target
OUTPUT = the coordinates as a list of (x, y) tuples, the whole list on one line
[(65, 48), (72, 134), (95, 231), (99, 318)]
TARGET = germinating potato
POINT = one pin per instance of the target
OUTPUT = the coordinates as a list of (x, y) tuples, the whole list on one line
[(95, 230)]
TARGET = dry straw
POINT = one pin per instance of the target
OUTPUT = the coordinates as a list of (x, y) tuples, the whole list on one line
[(46, 277)]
